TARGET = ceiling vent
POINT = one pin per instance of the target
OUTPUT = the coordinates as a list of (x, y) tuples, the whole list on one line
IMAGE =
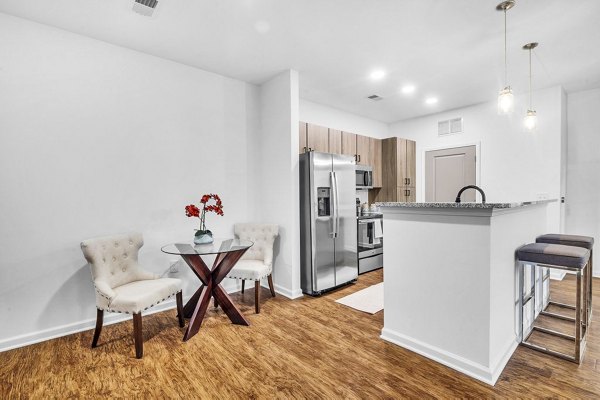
[(450, 127), (145, 7), (374, 97)]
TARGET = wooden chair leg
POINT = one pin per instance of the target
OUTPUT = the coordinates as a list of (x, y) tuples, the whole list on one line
[(137, 335), (179, 298), (99, 321), (257, 296), (243, 282), (271, 285)]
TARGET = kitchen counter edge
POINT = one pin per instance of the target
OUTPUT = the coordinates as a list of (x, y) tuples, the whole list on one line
[(463, 205)]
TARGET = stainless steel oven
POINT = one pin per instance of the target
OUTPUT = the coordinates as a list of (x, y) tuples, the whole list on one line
[(370, 242), (364, 177)]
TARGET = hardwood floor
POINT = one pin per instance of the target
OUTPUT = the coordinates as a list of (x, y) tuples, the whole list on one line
[(307, 348)]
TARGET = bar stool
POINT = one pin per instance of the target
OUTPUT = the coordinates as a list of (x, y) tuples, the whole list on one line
[(554, 256), (586, 242)]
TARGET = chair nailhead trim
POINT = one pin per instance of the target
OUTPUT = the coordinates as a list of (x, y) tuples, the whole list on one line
[(127, 312), (246, 279)]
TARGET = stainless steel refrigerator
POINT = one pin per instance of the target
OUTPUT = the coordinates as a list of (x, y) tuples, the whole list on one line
[(328, 239)]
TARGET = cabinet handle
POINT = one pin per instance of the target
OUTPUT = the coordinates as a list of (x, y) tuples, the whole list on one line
[(358, 155), (305, 149), (408, 179)]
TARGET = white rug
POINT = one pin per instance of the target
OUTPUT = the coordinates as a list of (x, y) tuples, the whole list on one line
[(369, 300)]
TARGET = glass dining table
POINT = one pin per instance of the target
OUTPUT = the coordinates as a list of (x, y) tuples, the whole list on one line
[(228, 252)]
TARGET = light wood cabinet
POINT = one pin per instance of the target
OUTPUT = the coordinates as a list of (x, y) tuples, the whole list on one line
[(375, 158), (335, 141), (398, 170), (302, 137), (363, 150), (405, 194), (411, 163), (349, 144), (317, 138)]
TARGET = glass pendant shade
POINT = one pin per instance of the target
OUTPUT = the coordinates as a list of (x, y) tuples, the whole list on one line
[(530, 120), (506, 101)]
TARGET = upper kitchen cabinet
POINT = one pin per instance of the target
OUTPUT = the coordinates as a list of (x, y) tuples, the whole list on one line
[(335, 141), (375, 159), (363, 150), (302, 137), (349, 144), (317, 138)]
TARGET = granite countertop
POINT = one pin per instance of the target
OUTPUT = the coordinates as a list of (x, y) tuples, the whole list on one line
[(370, 215), (463, 205)]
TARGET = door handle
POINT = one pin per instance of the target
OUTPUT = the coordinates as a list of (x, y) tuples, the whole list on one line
[(334, 198)]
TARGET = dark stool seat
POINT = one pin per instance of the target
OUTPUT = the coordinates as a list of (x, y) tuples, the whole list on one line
[(567, 240), (554, 254), (586, 242)]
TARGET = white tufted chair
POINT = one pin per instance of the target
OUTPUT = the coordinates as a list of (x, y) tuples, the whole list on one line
[(122, 286), (257, 262)]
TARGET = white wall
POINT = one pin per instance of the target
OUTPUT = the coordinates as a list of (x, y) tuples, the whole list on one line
[(96, 139), (514, 165), (278, 172), (583, 170), (336, 119)]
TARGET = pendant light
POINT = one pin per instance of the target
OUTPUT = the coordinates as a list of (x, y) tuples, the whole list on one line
[(531, 116), (506, 100)]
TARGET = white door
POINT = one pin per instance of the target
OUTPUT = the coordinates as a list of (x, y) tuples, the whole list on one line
[(447, 171)]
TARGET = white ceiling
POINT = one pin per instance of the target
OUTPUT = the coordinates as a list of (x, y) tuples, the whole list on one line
[(449, 49)]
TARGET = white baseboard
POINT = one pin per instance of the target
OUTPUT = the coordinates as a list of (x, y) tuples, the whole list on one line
[(69, 329), (290, 294), (80, 326), (557, 275), (475, 370)]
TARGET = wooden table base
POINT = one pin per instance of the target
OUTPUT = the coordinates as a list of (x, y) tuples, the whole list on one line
[(196, 307)]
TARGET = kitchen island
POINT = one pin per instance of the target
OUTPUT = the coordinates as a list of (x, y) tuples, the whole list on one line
[(450, 283)]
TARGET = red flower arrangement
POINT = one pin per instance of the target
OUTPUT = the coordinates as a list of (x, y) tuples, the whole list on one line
[(193, 211)]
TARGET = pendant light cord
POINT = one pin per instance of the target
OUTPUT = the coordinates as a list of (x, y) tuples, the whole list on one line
[(505, 62), (530, 92)]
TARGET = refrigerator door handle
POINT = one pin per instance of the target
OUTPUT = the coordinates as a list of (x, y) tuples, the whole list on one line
[(334, 194)]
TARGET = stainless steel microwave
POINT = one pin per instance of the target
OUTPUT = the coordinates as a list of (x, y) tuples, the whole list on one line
[(364, 177)]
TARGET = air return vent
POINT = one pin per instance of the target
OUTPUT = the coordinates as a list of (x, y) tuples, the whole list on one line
[(450, 126), (374, 97), (145, 7)]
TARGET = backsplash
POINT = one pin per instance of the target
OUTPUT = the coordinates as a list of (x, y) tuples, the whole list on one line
[(363, 195)]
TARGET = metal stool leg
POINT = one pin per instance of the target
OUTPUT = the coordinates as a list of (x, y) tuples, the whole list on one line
[(580, 337), (590, 293), (578, 320)]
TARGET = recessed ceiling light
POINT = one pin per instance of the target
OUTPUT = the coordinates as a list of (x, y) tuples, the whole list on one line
[(431, 100), (408, 89), (262, 27), (377, 74)]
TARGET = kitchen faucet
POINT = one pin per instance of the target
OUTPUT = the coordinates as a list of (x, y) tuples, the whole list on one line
[(470, 187)]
